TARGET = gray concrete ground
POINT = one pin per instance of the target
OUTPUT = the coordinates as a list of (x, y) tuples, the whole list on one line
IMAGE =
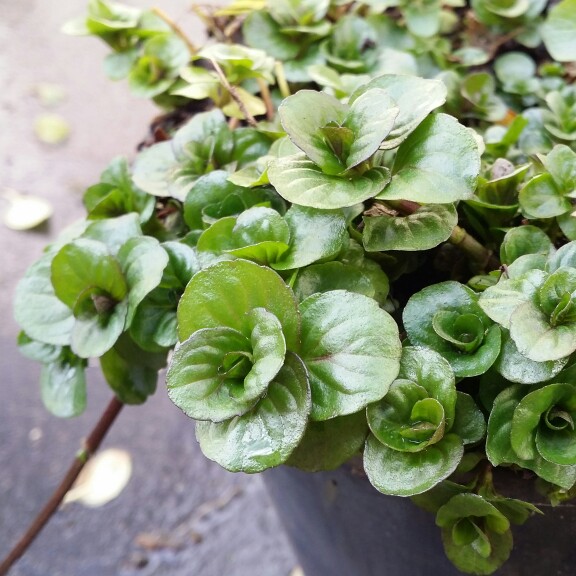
[(241, 534)]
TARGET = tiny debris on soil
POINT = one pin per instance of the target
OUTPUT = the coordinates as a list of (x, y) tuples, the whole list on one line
[(181, 535)]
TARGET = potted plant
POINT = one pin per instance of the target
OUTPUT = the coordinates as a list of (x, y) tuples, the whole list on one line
[(350, 239)]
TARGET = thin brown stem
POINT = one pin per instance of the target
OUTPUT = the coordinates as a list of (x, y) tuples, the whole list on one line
[(89, 447), (234, 93), (175, 28), (265, 93)]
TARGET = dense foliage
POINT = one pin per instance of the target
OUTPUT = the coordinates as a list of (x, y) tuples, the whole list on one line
[(355, 232)]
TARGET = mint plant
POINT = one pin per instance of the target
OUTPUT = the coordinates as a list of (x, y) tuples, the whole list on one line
[(351, 234)]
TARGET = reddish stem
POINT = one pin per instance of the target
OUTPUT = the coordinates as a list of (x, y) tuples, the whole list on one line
[(90, 446)]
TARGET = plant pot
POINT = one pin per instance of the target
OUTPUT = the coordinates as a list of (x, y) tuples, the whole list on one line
[(340, 525)]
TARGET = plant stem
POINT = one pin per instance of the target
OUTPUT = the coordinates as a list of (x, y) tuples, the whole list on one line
[(480, 255), (281, 80), (177, 30), (90, 445), (265, 93), (249, 118)]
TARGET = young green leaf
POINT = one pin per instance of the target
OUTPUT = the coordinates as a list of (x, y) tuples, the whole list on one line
[(302, 182), (206, 302), (438, 163), (303, 115), (267, 434)]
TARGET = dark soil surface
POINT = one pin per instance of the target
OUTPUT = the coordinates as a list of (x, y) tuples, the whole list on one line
[(180, 515)]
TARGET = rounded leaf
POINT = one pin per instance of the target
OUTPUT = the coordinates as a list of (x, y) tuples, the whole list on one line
[(409, 473), (267, 434), (351, 349), (424, 229), (314, 235), (302, 182), (438, 163), (223, 294)]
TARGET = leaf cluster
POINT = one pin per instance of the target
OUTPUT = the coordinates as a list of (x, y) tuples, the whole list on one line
[(361, 243)]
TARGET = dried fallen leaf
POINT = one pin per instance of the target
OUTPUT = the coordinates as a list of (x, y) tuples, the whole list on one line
[(25, 212), (102, 479), (50, 94), (51, 129), (152, 541)]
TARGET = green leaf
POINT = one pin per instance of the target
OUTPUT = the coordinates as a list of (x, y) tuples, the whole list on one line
[(314, 235), (438, 163), (416, 97), (206, 375), (486, 549), (37, 351), (84, 269), (37, 309), (565, 256), (419, 407), (427, 227), (499, 448), (171, 168), (351, 350), (332, 276), (541, 198), (259, 234), (262, 31), (300, 181), (131, 372), (303, 115), (452, 297), (116, 195), (424, 19), (469, 423), (209, 189), (114, 232), (514, 67), (529, 432), (163, 54), (223, 295), (559, 31), (303, 12), (501, 301), (371, 118), (517, 368), (267, 434), (95, 334), (537, 339), (464, 331), (409, 473), (524, 240), (63, 386), (407, 420), (561, 165), (143, 261), (327, 445)]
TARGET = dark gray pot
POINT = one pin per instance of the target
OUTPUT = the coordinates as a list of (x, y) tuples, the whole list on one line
[(340, 525)]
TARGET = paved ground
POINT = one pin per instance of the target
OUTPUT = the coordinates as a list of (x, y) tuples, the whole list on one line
[(171, 479)]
